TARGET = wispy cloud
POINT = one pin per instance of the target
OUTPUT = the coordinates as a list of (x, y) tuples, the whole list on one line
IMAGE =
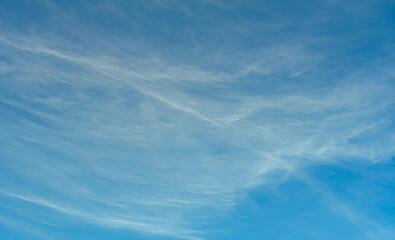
[(141, 142)]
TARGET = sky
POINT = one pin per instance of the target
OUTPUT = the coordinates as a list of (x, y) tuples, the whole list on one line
[(197, 119)]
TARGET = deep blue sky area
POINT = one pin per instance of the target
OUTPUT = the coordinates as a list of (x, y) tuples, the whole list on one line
[(197, 120)]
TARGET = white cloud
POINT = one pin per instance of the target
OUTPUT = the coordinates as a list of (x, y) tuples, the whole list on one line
[(142, 142)]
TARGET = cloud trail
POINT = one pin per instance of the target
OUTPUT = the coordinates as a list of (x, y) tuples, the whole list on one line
[(114, 132)]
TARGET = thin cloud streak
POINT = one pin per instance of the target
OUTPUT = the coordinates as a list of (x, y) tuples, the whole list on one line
[(279, 157), (143, 143)]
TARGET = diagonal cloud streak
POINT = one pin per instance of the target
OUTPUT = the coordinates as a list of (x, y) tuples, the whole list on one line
[(155, 144)]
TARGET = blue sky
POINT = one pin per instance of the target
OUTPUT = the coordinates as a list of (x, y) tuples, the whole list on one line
[(197, 120)]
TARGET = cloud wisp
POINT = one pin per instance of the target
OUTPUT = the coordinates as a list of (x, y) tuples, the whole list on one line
[(146, 142)]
